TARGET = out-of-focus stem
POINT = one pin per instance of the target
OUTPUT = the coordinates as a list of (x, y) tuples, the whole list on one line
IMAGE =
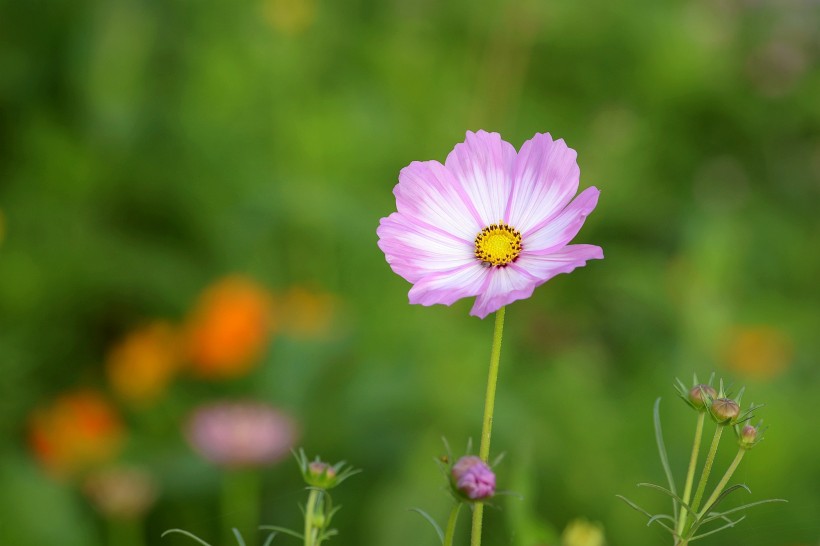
[(451, 525), (310, 509)]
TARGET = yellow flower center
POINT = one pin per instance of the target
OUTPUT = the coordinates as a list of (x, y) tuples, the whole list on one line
[(498, 244)]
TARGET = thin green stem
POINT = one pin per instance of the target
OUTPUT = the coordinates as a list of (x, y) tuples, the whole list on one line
[(690, 475), (310, 509), (723, 481), (240, 505), (707, 467), (487, 426), (451, 525)]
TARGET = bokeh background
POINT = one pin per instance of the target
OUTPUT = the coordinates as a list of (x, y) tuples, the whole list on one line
[(189, 193)]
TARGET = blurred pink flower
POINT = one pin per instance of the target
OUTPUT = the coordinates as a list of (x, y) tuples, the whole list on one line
[(491, 222), (241, 434)]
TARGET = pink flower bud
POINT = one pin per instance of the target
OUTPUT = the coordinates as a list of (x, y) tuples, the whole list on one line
[(748, 436), (473, 479), (701, 395)]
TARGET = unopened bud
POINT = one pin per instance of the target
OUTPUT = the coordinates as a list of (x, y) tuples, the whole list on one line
[(725, 410), (320, 474), (473, 479), (701, 395), (748, 436)]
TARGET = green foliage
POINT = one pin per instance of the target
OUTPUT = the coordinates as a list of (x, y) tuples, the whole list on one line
[(150, 148)]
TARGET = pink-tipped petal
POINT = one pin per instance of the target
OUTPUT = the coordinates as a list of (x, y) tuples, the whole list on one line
[(545, 177), (503, 286), (428, 192), (414, 249), (547, 265), (553, 233), (482, 165), (446, 287)]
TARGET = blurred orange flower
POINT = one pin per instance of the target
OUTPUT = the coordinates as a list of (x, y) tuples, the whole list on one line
[(141, 366), (78, 431), (229, 328), (760, 352), (308, 313)]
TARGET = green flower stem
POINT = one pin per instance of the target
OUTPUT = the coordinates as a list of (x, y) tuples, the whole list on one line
[(690, 475), (451, 525), (707, 467), (125, 532), (311, 532), (240, 505), (487, 426), (723, 481)]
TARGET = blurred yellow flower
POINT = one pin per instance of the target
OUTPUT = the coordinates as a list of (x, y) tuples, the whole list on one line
[(289, 16), (229, 328), (78, 431), (141, 366), (759, 352), (580, 532), (307, 313)]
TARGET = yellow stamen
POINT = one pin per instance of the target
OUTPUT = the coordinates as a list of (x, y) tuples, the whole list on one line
[(498, 244)]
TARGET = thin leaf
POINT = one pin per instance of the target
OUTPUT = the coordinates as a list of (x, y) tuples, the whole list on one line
[(278, 529), (713, 531), (269, 540), (668, 492), (722, 515), (186, 533), (656, 519), (432, 522), (238, 536), (647, 514), (726, 492), (662, 452), (660, 516), (634, 506)]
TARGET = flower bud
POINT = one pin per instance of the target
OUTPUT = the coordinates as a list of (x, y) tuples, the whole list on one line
[(725, 410), (701, 395), (320, 474), (473, 479), (748, 436)]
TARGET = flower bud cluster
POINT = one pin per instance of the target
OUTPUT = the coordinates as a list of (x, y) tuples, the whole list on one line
[(721, 407)]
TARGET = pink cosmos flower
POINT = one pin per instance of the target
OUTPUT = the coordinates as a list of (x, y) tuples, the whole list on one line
[(241, 434), (491, 222)]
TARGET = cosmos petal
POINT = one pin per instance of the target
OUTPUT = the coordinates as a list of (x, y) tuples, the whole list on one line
[(553, 233), (504, 285), (429, 192), (545, 266), (545, 177), (446, 287), (415, 249), (482, 166)]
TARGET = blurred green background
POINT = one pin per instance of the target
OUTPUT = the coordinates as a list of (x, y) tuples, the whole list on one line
[(150, 149)]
